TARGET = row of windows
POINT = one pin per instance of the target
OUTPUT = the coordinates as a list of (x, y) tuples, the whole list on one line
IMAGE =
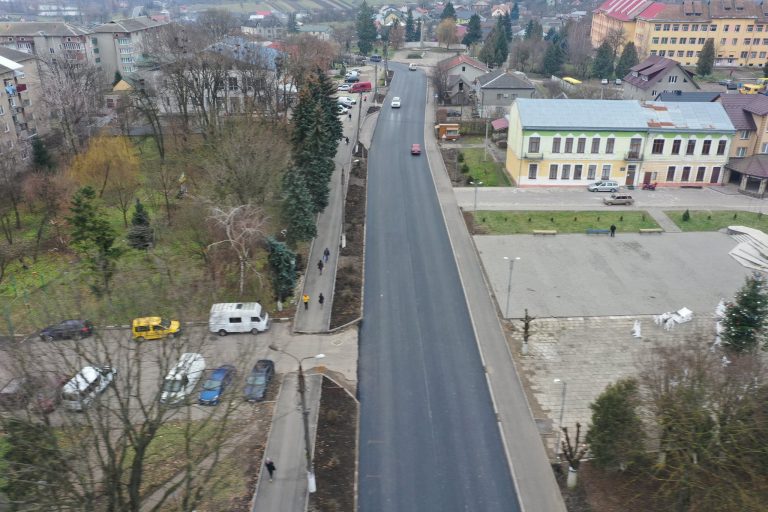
[(566, 172), (704, 27), (690, 148), (534, 146), (700, 41), (741, 151)]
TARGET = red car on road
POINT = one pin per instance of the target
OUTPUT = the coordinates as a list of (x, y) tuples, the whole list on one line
[(416, 149)]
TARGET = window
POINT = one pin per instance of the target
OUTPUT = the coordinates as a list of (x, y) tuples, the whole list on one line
[(609, 145), (533, 144), (595, 145), (750, 28), (715, 177), (671, 173), (737, 28), (700, 41), (725, 28), (606, 172), (747, 41), (591, 171), (676, 147), (764, 148), (672, 79), (553, 171), (232, 83), (6, 128), (655, 40), (721, 147), (740, 152), (673, 40), (691, 147), (722, 42), (568, 145), (765, 42), (655, 27), (581, 146), (685, 28), (96, 51), (51, 50), (235, 320), (689, 53), (762, 55), (744, 134), (686, 173), (695, 28), (666, 27), (713, 28), (577, 171), (566, 173), (658, 146), (700, 173), (675, 27), (664, 40), (683, 40), (532, 170), (123, 41), (556, 145), (705, 147)]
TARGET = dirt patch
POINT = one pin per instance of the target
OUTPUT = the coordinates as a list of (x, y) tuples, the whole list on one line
[(452, 165), (616, 492), (348, 291), (335, 451)]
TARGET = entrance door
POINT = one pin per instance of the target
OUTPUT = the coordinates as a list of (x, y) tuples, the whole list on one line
[(715, 175), (647, 177), (631, 171)]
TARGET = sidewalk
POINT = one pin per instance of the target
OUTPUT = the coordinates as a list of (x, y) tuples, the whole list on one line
[(288, 490), (329, 225)]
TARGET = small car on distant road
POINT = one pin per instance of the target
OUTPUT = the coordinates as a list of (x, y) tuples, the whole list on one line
[(395, 102), (258, 380), (411, 67), (416, 149), (347, 101), (604, 186), (215, 385), (68, 329), (618, 199), (344, 87)]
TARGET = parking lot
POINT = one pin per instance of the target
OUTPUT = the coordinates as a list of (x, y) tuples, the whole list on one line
[(632, 274)]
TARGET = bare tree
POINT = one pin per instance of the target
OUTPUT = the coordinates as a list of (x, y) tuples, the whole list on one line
[(615, 39), (446, 32), (241, 228), (10, 191)]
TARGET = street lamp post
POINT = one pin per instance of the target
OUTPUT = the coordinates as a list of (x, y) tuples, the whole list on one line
[(509, 282), (476, 183), (311, 487), (562, 411)]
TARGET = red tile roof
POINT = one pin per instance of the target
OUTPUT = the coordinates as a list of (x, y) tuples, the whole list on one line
[(461, 59)]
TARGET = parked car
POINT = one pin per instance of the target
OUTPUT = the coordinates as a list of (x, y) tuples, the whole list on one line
[(375, 58), (604, 81), (453, 113), (258, 380), (725, 82), (347, 101), (412, 67), (182, 378), (68, 329), (83, 388), (395, 102), (154, 328), (344, 87), (618, 199), (604, 186), (215, 385), (352, 79), (617, 81), (416, 149), (341, 109)]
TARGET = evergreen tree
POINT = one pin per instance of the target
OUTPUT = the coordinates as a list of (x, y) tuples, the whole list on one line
[(627, 60), (474, 31), (282, 263), (93, 237), (616, 437), (448, 12), (554, 58), (487, 53), (141, 235), (366, 30), (602, 67), (515, 13), (117, 78), (744, 325), (501, 48), (293, 27), (507, 26), (410, 27), (297, 208), (418, 30), (706, 58), (534, 31), (41, 158)]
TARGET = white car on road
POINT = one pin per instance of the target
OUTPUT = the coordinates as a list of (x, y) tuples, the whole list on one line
[(344, 87), (346, 101), (395, 102)]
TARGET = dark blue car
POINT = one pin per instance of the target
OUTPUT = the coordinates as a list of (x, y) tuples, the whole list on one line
[(258, 380), (215, 385)]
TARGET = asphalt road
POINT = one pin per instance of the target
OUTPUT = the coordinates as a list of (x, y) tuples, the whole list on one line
[(428, 437)]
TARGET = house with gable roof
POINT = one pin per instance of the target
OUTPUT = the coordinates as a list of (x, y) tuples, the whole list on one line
[(656, 75), (460, 73), (495, 91)]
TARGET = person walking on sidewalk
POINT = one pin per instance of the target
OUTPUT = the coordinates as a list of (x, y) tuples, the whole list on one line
[(326, 255), (270, 467), (321, 300), (305, 298), (613, 230), (320, 266)]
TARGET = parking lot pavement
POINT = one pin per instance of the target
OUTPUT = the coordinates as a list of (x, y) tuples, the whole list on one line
[(545, 198), (632, 274)]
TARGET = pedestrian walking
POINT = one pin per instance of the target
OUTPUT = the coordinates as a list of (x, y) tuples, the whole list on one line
[(270, 467), (321, 300), (320, 266), (347, 138), (613, 230), (350, 116), (326, 255), (305, 298)]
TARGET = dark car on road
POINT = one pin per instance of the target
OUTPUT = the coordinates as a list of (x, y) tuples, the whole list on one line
[(68, 329), (215, 385), (258, 380)]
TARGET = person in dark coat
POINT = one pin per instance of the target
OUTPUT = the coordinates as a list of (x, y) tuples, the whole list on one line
[(321, 300), (326, 255), (613, 229), (320, 266), (270, 467)]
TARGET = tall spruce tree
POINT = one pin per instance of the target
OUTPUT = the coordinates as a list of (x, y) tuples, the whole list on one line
[(554, 58), (501, 48), (706, 58), (602, 67), (141, 235), (514, 14), (744, 325), (474, 31), (507, 26), (627, 60), (366, 30), (448, 12), (282, 265), (533, 31), (410, 27), (298, 209), (41, 158)]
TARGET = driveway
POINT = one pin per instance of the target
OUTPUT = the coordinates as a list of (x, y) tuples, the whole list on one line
[(632, 274)]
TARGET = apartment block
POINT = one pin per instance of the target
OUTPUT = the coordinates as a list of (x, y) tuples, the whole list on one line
[(747, 166), (576, 142), (47, 40), (118, 45), (22, 112)]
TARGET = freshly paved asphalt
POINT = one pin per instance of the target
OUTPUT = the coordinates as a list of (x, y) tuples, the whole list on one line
[(429, 439)]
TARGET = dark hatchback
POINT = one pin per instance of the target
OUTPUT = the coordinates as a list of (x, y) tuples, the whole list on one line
[(68, 329), (258, 380)]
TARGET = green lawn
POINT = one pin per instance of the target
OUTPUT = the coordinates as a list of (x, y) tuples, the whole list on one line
[(472, 139), (488, 171), (515, 223), (707, 220)]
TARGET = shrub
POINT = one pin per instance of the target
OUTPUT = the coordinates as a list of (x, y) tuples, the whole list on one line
[(413, 56), (686, 216), (460, 157), (464, 168)]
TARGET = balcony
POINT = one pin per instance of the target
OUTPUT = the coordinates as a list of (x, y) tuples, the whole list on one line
[(633, 156), (534, 156)]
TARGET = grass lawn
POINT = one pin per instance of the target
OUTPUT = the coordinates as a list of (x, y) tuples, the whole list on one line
[(472, 139), (489, 172), (708, 220), (515, 223)]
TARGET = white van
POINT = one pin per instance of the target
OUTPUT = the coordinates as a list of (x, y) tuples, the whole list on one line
[(84, 387), (237, 317), (182, 378)]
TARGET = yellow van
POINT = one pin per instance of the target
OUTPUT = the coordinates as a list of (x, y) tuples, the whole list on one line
[(751, 89), (154, 328)]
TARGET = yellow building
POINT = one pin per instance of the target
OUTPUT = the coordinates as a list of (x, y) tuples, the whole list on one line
[(616, 17), (739, 29)]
